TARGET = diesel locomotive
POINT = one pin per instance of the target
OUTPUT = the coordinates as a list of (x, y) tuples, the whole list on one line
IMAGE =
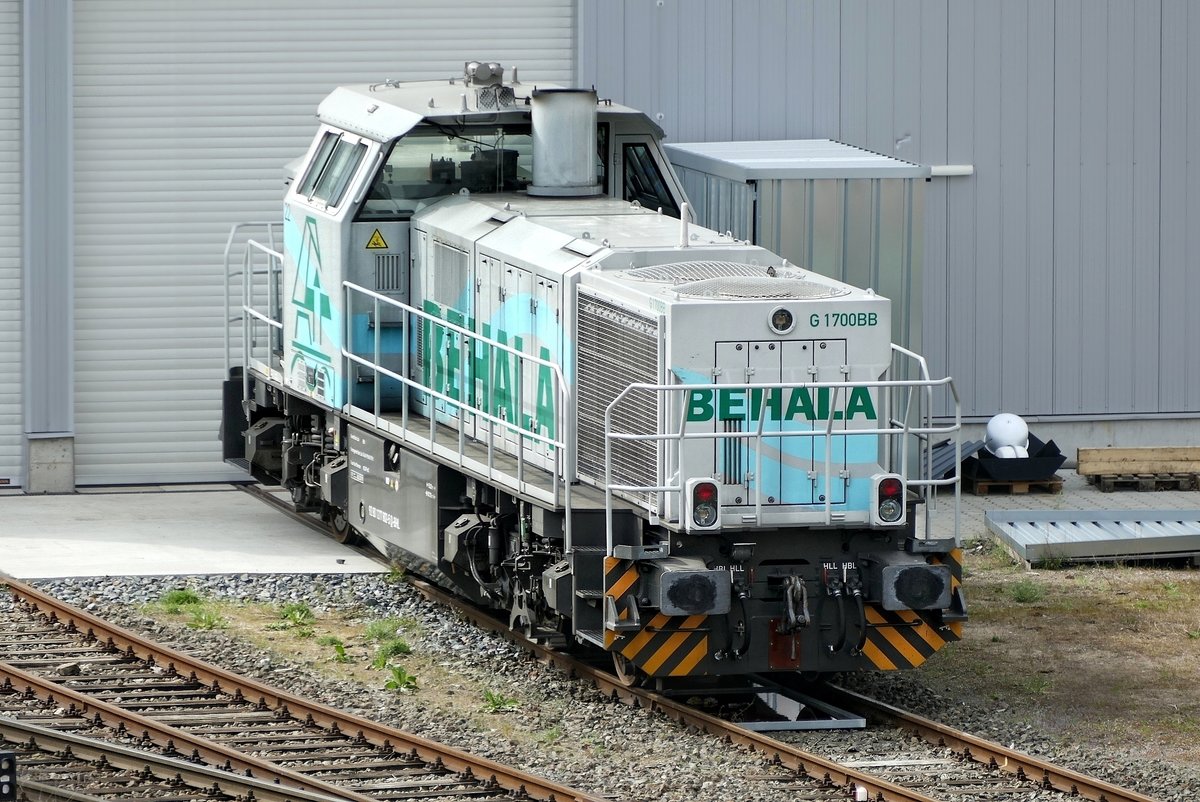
[(488, 339)]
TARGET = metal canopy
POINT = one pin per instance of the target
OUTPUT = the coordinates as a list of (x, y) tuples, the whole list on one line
[(789, 158), (1089, 535)]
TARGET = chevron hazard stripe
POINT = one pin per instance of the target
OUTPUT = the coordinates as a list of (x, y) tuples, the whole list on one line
[(665, 646), (953, 560), (899, 639)]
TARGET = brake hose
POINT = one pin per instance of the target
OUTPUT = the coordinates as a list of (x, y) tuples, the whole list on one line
[(740, 652), (841, 622), (862, 622)]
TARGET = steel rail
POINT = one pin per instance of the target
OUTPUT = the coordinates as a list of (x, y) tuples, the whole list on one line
[(989, 752), (202, 778), (455, 760), (167, 737), (813, 766)]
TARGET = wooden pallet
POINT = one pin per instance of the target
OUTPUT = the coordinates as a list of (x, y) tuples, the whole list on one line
[(1140, 468), (1145, 481), (981, 487), (1138, 461)]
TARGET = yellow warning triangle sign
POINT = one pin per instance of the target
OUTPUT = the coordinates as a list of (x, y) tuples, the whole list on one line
[(376, 242)]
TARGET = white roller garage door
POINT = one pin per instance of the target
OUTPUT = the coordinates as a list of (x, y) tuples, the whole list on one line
[(185, 114), (11, 423)]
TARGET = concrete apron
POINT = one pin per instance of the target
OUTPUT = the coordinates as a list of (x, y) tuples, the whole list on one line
[(155, 531)]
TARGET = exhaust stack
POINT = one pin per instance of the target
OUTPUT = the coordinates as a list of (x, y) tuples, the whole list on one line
[(564, 143)]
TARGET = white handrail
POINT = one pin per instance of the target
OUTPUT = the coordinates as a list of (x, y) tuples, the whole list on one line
[(560, 389), (896, 431), (269, 227)]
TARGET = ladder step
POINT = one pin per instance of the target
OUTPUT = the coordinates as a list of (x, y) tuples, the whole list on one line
[(596, 636)]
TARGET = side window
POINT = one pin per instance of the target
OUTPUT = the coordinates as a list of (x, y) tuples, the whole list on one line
[(644, 181), (331, 169)]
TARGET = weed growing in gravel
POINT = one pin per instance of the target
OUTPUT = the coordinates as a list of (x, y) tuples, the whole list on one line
[(173, 601), (1053, 561), (999, 552), (551, 735), (297, 615), (494, 702), (1026, 592), (1194, 634), (396, 575), (207, 619), (339, 648), (389, 649), (389, 628), (401, 681)]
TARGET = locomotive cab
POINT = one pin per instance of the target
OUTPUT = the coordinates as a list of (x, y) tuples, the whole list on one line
[(494, 345)]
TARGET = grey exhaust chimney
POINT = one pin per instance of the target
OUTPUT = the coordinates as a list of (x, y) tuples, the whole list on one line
[(564, 143)]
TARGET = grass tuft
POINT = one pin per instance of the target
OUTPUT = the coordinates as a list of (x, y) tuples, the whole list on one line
[(1026, 591), (207, 619), (395, 647), (173, 601), (494, 702)]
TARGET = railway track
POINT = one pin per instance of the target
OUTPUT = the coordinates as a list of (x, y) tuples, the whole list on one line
[(73, 661), (934, 761), (61, 763), (917, 760), (933, 764)]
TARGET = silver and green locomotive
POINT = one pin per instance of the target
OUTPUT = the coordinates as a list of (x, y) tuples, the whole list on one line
[(488, 340)]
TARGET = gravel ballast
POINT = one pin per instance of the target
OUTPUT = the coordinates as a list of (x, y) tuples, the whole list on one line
[(598, 745)]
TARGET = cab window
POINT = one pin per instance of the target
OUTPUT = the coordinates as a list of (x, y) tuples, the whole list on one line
[(644, 180), (333, 165), (431, 162)]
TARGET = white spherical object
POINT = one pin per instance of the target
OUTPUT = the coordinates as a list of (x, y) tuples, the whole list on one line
[(1009, 434)]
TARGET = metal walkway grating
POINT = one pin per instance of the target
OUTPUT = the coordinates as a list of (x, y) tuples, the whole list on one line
[(1090, 535)]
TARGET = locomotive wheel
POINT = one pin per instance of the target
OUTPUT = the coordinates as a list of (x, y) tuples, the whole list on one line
[(627, 673), (340, 526)]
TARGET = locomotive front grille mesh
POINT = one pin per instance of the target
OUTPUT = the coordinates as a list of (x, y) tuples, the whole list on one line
[(757, 287), (684, 272), (616, 348)]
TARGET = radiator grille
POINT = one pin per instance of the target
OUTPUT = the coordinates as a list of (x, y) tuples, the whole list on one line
[(617, 348), (683, 272), (758, 287)]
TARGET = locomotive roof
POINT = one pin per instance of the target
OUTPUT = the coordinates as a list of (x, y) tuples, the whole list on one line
[(388, 110)]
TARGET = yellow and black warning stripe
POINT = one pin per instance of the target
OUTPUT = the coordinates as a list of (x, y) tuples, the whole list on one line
[(670, 646), (899, 638), (953, 560), (907, 638)]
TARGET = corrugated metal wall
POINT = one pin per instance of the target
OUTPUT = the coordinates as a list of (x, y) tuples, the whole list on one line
[(185, 116), (1060, 278), (11, 420)]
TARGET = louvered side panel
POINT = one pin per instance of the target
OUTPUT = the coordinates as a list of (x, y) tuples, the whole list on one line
[(616, 348)]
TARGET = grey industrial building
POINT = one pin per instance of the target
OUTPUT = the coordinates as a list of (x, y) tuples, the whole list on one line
[(1061, 235)]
